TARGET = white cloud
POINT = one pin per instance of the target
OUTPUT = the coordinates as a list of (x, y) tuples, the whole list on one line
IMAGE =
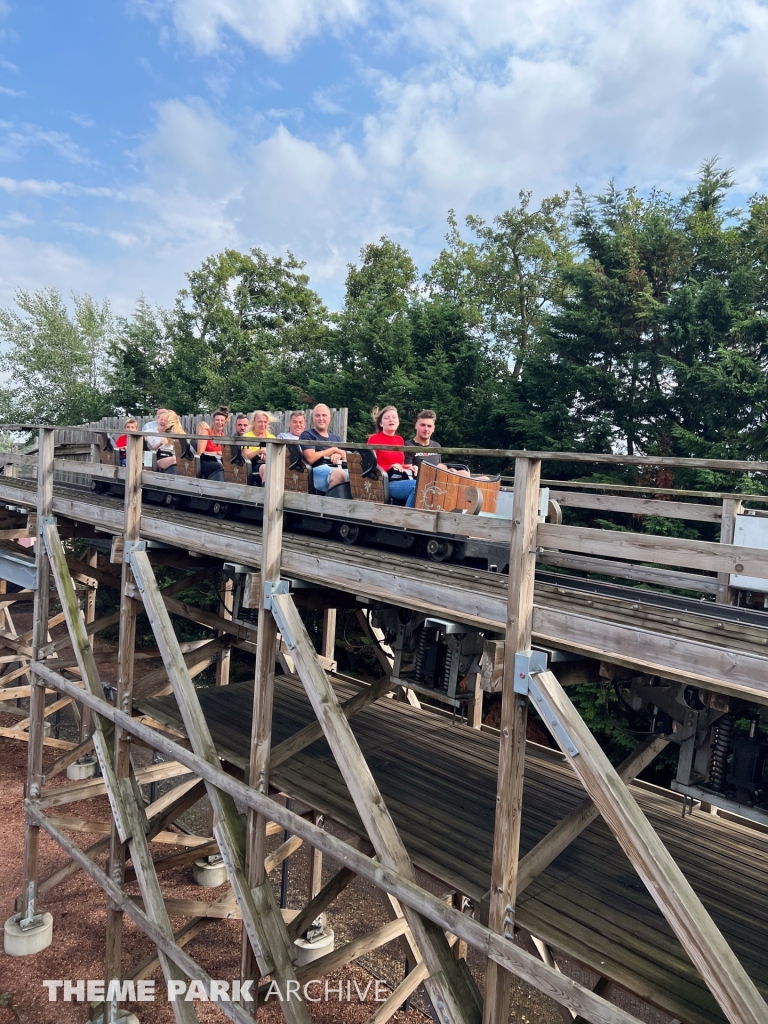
[(83, 120), (276, 28), (5, 91), (35, 187)]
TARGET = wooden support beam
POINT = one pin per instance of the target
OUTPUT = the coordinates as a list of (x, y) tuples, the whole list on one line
[(122, 790), (63, 762), (226, 601), (514, 959), (260, 913), (448, 984), (264, 682), (156, 682), (328, 641), (726, 594), (573, 824), (729, 983), (514, 716), (37, 697)]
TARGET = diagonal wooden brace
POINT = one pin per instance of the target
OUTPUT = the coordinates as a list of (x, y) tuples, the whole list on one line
[(451, 989), (261, 915), (124, 794)]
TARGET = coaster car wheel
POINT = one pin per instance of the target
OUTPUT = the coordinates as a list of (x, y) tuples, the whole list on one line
[(348, 533), (438, 550)]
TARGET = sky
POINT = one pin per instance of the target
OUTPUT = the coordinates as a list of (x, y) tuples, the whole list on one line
[(138, 137)]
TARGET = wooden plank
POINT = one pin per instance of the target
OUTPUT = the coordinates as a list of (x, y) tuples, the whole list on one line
[(37, 698), (226, 601), (644, 547), (125, 677), (726, 594), (630, 571), (639, 506), (568, 828), (726, 978), (320, 902), (260, 914), (514, 716), (264, 680), (446, 984)]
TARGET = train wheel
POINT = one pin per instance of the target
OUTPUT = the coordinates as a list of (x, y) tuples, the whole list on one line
[(347, 533), (99, 487), (438, 550), (219, 509), (171, 500)]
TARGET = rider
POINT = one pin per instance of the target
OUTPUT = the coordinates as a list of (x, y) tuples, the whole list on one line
[(402, 485), (209, 450), (325, 462)]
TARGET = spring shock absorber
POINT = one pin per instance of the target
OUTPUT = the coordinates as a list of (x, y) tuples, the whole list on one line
[(718, 762), (418, 661), (447, 668)]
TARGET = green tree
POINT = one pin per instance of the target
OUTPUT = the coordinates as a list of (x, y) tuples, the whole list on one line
[(55, 359), (139, 354), (242, 331), (509, 277)]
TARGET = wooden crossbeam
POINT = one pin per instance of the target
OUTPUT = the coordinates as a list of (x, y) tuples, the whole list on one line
[(729, 983), (261, 916), (448, 984), (123, 792)]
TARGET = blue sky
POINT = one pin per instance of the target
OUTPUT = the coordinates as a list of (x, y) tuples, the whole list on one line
[(139, 136)]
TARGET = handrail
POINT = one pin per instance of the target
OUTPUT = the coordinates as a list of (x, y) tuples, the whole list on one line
[(723, 465)]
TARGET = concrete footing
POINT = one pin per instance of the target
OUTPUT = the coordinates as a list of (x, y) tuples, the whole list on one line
[(209, 874), (82, 769), (18, 941), (306, 951)]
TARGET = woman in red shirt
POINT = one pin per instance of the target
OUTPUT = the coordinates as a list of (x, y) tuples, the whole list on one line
[(401, 485), (210, 451)]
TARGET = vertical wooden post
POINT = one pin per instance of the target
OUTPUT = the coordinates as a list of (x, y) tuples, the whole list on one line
[(263, 691), (92, 559), (731, 508), (37, 692), (227, 603), (125, 665), (476, 708), (328, 645), (514, 716), (315, 861)]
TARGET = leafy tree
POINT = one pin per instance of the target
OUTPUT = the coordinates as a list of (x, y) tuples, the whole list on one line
[(138, 357), (54, 358), (509, 278), (240, 331)]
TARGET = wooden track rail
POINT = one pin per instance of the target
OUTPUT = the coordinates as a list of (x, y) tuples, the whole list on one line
[(731, 658)]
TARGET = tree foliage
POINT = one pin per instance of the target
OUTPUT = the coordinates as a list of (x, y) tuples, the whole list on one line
[(615, 322), (55, 360)]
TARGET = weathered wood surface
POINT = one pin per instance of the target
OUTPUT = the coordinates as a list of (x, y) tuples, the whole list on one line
[(439, 783), (514, 717), (466, 594)]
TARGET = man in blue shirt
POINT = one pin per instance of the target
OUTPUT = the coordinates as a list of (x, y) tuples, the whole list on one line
[(325, 462)]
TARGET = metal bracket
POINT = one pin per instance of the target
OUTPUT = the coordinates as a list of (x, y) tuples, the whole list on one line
[(133, 545), (526, 664), (549, 715), (46, 521), (274, 587)]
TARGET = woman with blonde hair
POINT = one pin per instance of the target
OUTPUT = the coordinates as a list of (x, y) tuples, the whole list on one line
[(166, 458), (402, 486), (261, 421)]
